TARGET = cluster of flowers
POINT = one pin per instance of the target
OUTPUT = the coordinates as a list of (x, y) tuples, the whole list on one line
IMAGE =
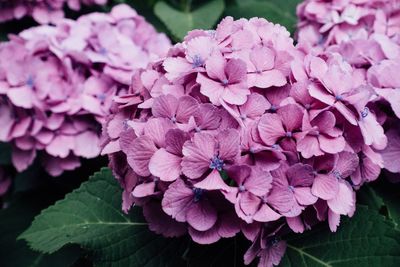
[(367, 35), (237, 130), (42, 11), (57, 83)]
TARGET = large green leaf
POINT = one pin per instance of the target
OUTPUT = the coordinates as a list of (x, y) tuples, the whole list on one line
[(367, 239), (180, 22), (91, 217), (16, 219), (275, 11)]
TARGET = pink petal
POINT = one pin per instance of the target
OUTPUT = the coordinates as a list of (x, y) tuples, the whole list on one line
[(229, 144), (204, 237), (344, 201), (165, 106), (61, 146), (266, 214), (197, 155), (177, 200), (186, 108), (270, 128), (161, 223), (267, 79), (22, 159), (213, 181), (331, 145), (320, 94), (333, 220), (304, 196), (309, 146), (201, 215), (391, 154), (210, 88), (87, 145), (296, 224), (165, 165), (144, 190), (291, 116), (325, 186), (139, 154), (22, 97)]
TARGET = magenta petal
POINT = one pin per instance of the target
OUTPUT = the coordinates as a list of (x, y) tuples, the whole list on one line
[(391, 154), (204, 237), (187, 106), (139, 154), (165, 106), (213, 181), (270, 128), (296, 224), (177, 200), (309, 146), (266, 214), (22, 159), (161, 223), (144, 190), (331, 145), (201, 215), (165, 165), (87, 145), (197, 155), (325, 186), (333, 220), (229, 144), (304, 196), (344, 201)]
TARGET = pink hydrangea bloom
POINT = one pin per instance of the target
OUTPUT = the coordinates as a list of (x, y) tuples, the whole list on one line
[(366, 35), (57, 84), (42, 11), (239, 131)]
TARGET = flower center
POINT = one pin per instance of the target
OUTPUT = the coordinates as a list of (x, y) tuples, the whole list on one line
[(30, 82), (273, 241), (273, 108), (243, 116), (103, 51), (289, 134), (198, 193), (225, 82), (216, 163), (197, 61), (242, 188), (339, 98), (101, 97), (337, 174), (364, 113), (173, 119), (291, 188)]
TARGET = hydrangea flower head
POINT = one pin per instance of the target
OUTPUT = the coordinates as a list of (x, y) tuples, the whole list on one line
[(57, 84), (239, 131), (42, 11)]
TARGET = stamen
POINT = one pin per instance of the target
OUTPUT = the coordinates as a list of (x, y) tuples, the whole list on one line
[(216, 163), (198, 193)]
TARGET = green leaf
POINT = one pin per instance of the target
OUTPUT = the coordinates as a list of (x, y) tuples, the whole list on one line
[(272, 10), (13, 221), (367, 239), (180, 22), (5, 154), (390, 195), (91, 217)]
